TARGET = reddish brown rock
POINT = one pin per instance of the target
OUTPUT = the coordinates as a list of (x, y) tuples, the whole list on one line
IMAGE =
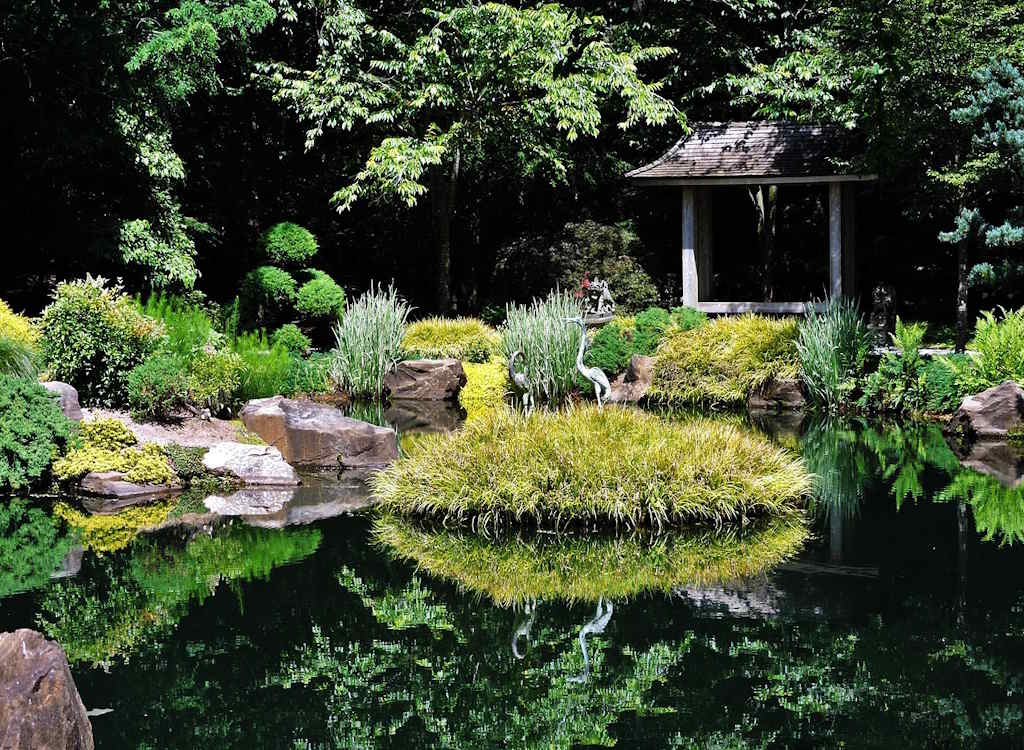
[(634, 383), (426, 380), (310, 434), (992, 414), (39, 703), (784, 394)]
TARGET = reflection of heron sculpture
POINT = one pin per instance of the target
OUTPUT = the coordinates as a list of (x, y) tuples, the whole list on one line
[(602, 388), (523, 628), (521, 382), (597, 625)]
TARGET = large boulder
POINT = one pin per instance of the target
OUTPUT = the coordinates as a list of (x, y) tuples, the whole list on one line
[(250, 464), (39, 704), (634, 383), (310, 434), (783, 394), (992, 414), (426, 379), (68, 399)]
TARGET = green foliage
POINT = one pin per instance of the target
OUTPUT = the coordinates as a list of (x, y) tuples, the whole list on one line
[(465, 339), (215, 379), (943, 381), (291, 338), (266, 370), (93, 335), (369, 342), (650, 328), (33, 432), (320, 297), (724, 361), (157, 388), (617, 466), (547, 343), (17, 327), (998, 510), (17, 359), (267, 293), (999, 343), (186, 461), (189, 327), (107, 433), (832, 346), (688, 318), (612, 348), (31, 547), (311, 375), (486, 387), (897, 385), (146, 464), (289, 245)]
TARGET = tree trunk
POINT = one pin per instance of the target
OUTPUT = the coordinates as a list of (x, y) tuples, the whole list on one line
[(765, 199), (442, 195), (961, 293)]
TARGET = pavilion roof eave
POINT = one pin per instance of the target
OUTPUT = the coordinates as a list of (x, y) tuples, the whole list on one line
[(766, 179)]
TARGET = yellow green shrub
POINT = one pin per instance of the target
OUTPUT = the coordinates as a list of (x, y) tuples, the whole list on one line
[(107, 433), (466, 339), (112, 532), (146, 464), (485, 388), (17, 327), (725, 360)]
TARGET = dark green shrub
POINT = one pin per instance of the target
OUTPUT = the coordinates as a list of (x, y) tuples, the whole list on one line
[(289, 245), (158, 387), (897, 385), (320, 297), (93, 335), (650, 329), (187, 461), (291, 338), (310, 375), (688, 318), (630, 285), (611, 349), (33, 432), (943, 386), (267, 293), (31, 547)]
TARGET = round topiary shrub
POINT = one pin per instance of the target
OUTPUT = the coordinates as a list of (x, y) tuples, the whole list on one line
[(289, 245), (93, 335), (466, 339), (33, 431), (320, 298), (157, 388), (266, 293), (612, 347), (291, 338)]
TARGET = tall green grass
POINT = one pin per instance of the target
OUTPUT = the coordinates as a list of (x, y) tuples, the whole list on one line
[(547, 342), (617, 466), (188, 326), (369, 341), (832, 346), (268, 369)]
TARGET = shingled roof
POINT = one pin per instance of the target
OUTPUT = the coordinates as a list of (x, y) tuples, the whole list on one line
[(739, 152)]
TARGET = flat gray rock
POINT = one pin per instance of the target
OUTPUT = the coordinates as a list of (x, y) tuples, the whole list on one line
[(112, 486), (250, 464)]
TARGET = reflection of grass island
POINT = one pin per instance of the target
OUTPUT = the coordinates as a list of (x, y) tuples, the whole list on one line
[(516, 569), (617, 466)]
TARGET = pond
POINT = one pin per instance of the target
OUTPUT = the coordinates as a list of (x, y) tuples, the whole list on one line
[(899, 621)]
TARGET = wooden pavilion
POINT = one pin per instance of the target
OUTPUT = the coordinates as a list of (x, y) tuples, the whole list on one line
[(751, 154)]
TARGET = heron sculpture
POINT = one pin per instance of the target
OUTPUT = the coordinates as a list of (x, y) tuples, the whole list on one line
[(521, 382), (596, 625), (526, 621), (602, 388)]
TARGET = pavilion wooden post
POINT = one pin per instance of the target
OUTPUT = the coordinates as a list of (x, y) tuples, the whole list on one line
[(705, 243), (849, 240), (691, 294), (835, 239)]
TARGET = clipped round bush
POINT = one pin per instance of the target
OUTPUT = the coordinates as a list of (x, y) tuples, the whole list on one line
[(724, 361), (291, 338), (107, 433), (266, 293), (320, 297), (17, 327), (623, 467), (466, 339), (215, 379), (33, 431), (93, 335), (289, 245), (157, 388), (650, 328), (688, 318), (612, 348)]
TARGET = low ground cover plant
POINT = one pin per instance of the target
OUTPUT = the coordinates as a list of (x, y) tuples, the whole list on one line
[(33, 432), (725, 360), (368, 341), (623, 467), (546, 344), (465, 339), (108, 445), (17, 327)]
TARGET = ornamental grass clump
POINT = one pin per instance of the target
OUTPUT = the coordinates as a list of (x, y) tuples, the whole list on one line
[(547, 344), (622, 467), (725, 360), (515, 569), (832, 346), (369, 341), (465, 339)]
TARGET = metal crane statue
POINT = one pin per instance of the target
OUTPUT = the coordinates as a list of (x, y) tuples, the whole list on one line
[(521, 382), (596, 625), (602, 388), (526, 621)]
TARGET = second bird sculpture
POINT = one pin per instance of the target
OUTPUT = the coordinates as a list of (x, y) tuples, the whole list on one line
[(602, 388), (521, 382)]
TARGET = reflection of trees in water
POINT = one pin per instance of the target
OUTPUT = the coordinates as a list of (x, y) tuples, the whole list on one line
[(998, 510), (32, 546)]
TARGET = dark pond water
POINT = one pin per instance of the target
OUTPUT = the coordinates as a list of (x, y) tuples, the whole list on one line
[(900, 623)]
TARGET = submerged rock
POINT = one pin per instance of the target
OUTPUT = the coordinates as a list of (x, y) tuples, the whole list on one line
[(426, 379), (319, 497), (250, 464), (113, 486), (408, 415), (634, 383), (992, 414), (39, 704), (310, 434), (784, 394), (68, 399)]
